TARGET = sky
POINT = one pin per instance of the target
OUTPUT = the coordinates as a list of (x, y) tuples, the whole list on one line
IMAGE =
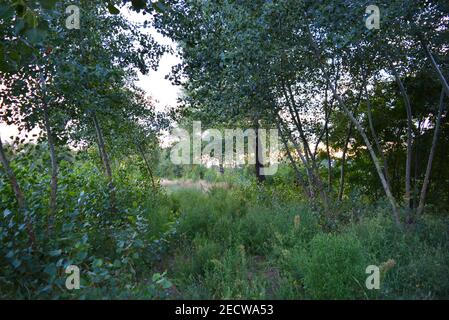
[(161, 90), (154, 83)]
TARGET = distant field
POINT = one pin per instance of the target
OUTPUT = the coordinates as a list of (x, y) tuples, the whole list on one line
[(175, 185)]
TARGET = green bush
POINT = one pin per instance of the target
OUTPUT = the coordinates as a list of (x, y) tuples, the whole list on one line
[(334, 267)]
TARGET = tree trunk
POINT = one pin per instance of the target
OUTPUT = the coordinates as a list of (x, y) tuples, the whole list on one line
[(375, 137), (437, 68), (309, 157), (314, 180), (408, 164), (422, 198), (415, 169), (346, 146), (384, 182), (147, 163), (54, 170), (106, 163), (259, 149), (17, 193), (299, 177), (297, 120), (360, 129), (329, 161), (53, 158), (322, 134), (343, 163)]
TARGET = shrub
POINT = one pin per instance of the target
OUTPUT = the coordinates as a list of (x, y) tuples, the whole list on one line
[(334, 267)]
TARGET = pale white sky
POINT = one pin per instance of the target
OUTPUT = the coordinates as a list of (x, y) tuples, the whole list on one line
[(154, 83)]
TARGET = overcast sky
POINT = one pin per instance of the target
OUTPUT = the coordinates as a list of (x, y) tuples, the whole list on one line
[(155, 83)]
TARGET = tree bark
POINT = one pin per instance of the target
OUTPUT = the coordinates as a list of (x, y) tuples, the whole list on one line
[(314, 180), (297, 120), (299, 177), (309, 157), (53, 158), (329, 161), (422, 197), (54, 169), (258, 165), (408, 164), (346, 146), (322, 134), (437, 68), (343, 163), (375, 137), (147, 163), (106, 163), (362, 132)]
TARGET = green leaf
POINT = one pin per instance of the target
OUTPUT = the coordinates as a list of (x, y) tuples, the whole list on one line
[(98, 263), (55, 253), (112, 9), (6, 12), (10, 254), (50, 269), (6, 213), (35, 36), (138, 4), (159, 7), (48, 4), (19, 26), (16, 263), (81, 255), (20, 9)]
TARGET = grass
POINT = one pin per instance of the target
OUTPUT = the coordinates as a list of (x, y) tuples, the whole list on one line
[(252, 244)]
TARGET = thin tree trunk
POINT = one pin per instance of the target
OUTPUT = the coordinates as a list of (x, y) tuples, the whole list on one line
[(360, 129), (314, 180), (322, 133), (106, 163), (259, 149), (54, 169), (307, 152), (299, 177), (53, 158), (375, 137), (384, 182), (17, 193), (437, 68), (297, 120), (346, 146), (147, 163), (422, 198), (343, 163), (408, 164), (329, 161), (301, 156), (415, 168)]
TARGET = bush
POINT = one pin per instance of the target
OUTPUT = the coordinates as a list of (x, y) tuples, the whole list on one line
[(334, 267)]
